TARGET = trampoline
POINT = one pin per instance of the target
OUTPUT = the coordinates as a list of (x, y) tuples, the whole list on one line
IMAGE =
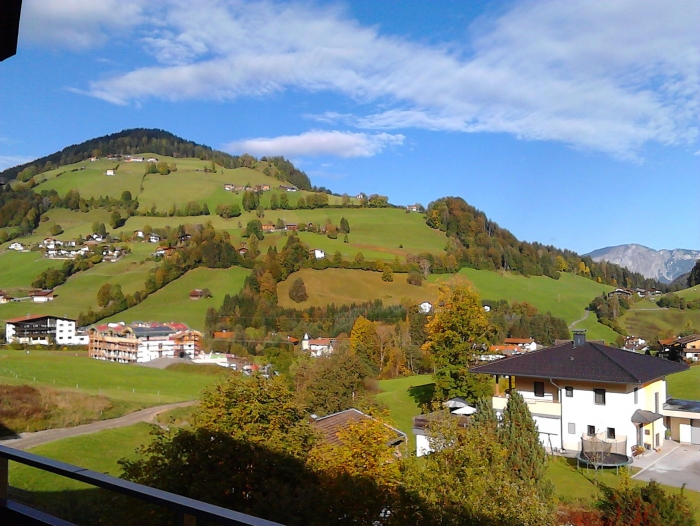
[(599, 451)]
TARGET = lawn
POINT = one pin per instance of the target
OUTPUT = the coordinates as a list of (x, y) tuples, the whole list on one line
[(66, 498), (566, 297), (690, 294), (345, 286), (172, 302), (19, 269), (403, 397), (685, 385), (143, 386)]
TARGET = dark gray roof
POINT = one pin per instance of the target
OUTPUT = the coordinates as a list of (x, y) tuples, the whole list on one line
[(589, 362), (142, 332), (641, 416)]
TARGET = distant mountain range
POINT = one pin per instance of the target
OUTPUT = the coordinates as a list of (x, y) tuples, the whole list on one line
[(663, 265)]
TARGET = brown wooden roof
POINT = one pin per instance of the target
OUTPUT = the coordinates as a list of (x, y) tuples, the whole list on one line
[(330, 425), (588, 362)]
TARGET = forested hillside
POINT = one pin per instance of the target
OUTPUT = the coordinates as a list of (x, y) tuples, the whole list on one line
[(160, 142), (480, 243)]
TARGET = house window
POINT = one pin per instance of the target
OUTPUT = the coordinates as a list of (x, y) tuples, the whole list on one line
[(539, 389), (591, 431), (569, 391), (611, 432), (599, 396), (636, 395), (572, 428)]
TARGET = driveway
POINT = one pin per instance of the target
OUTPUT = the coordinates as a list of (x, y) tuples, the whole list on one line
[(680, 466)]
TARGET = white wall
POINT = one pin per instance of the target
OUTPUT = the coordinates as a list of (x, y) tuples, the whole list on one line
[(422, 445)]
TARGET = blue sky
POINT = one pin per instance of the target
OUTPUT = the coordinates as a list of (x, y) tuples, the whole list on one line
[(572, 123)]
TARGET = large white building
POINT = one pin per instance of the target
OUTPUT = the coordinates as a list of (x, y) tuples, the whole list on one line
[(143, 342), (42, 329), (581, 389)]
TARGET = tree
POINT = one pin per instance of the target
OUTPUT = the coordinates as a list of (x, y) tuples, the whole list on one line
[(301, 202), (694, 276), (126, 197), (344, 226), (163, 168), (415, 278), (104, 295), (284, 201), (329, 384), (456, 333), (364, 341), (526, 459), (254, 228), (56, 230), (205, 209), (115, 220), (274, 202), (297, 292), (387, 274)]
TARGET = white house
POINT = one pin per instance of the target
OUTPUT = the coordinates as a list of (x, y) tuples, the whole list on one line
[(581, 389), (139, 234), (43, 330), (524, 344), (425, 307), (318, 253), (16, 246), (41, 296), (110, 171), (154, 238), (317, 346)]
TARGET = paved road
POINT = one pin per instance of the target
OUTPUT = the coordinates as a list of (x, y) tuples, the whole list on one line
[(29, 440)]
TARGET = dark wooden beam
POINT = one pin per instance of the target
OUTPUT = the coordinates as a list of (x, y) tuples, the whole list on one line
[(9, 27)]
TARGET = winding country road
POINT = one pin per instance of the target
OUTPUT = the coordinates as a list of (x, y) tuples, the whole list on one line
[(29, 440)]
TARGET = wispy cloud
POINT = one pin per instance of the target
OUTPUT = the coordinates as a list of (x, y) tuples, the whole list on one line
[(608, 76), (79, 24), (318, 143)]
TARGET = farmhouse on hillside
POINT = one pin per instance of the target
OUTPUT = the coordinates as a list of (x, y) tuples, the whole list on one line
[(41, 296), (196, 294), (43, 329), (524, 344), (582, 391)]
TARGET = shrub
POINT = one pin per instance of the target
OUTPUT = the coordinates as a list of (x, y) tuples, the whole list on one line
[(415, 278), (297, 292)]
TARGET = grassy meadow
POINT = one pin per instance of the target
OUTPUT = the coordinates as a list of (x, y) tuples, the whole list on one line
[(172, 302), (141, 386), (690, 294), (651, 323)]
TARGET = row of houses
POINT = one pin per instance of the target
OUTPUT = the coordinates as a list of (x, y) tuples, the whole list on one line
[(238, 188), (628, 293)]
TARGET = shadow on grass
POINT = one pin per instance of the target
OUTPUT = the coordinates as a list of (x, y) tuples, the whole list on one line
[(422, 394)]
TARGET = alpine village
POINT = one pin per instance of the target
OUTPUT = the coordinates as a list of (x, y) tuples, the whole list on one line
[(195, 337)]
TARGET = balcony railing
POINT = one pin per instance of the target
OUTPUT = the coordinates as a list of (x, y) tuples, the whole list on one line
[(188, 509)]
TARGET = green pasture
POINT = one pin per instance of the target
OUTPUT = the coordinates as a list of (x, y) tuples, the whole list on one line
[(685, 385), (74, 224), (92, 181), (566, 297), (649, 324), (172, 303), (345, 286), (19, 269), (79, 293), (690, 294), (144, 386)]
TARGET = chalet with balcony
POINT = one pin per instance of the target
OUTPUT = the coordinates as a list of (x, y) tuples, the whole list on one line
[(43, 329), (582, 389)]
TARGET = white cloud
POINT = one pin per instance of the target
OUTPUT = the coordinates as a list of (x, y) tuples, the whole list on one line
[(78, 24), (609, 76), (318, 143), (8, 161)]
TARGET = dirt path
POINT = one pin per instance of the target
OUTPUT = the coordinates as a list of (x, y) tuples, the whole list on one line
[(585, 316), (29, 440)]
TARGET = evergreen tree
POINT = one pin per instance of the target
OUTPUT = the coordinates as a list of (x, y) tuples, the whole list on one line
[(527, 459), (297, 292), (694, 276), (344, 226)]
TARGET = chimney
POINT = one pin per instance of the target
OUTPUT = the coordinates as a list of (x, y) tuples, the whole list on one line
[(579, 338)]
